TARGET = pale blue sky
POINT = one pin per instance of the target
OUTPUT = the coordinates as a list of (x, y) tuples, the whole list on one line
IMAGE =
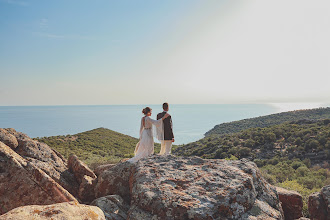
[(151, 51)]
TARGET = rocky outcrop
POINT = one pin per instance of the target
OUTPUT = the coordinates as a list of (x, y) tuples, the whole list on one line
[(98, 170), (113, 206), (45, 158), (23, 183), (115, 181), (8, 139), (319, 204), (292, 203), (191, 188), (60, 211)]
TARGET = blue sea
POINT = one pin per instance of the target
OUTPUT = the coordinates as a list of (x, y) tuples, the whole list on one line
[(190, 122)]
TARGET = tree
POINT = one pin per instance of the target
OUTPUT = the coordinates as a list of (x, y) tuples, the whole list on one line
[(298, 141), (311, 144), (249, 143)]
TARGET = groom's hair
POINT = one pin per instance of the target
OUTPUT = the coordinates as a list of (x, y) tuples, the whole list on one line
[(165, 105)]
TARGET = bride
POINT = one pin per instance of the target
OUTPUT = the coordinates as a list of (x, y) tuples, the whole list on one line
[(145, 147)]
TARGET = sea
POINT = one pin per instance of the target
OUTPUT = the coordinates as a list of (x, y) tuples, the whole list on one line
[(190, 122)]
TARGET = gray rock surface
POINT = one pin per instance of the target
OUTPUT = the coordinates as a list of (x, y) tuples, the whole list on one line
[(8, 139), (193, 188), (115, 181), (113, 206), (98, 170)]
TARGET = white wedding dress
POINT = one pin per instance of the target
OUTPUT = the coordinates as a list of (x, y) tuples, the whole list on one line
[(145, 147)]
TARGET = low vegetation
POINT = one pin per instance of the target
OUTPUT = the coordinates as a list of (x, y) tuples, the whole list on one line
[(301, 139), (299, 176), (97, 146), (269, 120)]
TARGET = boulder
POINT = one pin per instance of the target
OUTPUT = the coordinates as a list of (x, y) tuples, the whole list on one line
[(193, 188), (135, 213), (261, 210), (318, 204), (113, 206), (8, 139), (325, 192), (59, 211), (86, 189), (79, 168), (292, 203), (47, 159), (115, 181), (23, 183), (98, 170)]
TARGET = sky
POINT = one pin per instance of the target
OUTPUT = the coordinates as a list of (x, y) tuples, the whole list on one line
[(87, 52)]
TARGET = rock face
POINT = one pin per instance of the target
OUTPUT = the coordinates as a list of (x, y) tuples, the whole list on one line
[(22, 183), (60, 211), (292, 203), (319, 204), (113, 206), (45, 158)]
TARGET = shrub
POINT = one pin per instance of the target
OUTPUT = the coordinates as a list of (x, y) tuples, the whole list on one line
[(232, 157)]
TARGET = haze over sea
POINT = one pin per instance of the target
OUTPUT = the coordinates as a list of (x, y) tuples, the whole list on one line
[(190, 122)]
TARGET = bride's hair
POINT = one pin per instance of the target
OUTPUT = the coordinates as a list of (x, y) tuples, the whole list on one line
[(146, 110)]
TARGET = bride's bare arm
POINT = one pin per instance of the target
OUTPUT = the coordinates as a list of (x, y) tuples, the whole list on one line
[(165, 116), (144, 121)]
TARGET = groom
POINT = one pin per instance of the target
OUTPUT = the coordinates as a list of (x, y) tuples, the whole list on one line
[(166, 144)]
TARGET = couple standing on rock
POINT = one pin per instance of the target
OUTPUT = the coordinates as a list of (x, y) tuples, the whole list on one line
[(163, 130)]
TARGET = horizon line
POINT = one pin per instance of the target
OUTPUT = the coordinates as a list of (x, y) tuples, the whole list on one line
[(255, 103)]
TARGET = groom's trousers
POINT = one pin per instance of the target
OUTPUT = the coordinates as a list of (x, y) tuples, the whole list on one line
[(165, 147)]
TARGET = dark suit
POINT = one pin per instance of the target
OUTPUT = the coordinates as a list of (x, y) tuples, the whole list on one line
[(168, 128)]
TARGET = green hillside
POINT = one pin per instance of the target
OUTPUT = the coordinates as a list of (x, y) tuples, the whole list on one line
[(269, 120), (96, 146), (301, 139)]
